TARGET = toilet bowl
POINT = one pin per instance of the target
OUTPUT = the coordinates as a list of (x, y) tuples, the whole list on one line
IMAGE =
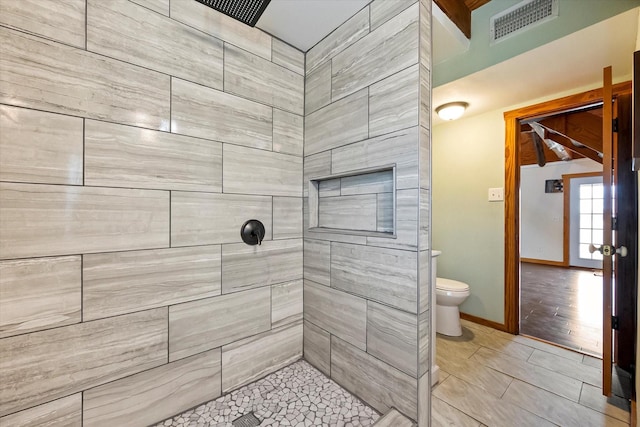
[(449, 295)]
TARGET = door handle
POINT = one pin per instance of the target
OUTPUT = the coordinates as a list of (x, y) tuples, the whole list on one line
[(607, 250)]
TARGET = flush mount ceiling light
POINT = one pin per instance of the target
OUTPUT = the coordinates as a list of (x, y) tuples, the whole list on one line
[(451, 110)]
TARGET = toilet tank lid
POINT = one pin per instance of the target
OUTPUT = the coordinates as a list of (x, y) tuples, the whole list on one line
[(450, 285)]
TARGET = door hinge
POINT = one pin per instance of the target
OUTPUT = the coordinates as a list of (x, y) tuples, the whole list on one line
[(615, 124), (614, 223), (615, 322)]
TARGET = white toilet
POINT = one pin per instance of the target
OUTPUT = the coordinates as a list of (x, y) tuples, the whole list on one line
[(449, 295)]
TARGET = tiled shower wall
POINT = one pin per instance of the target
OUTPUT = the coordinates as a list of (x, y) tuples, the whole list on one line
[(136, 138), (366, 297)]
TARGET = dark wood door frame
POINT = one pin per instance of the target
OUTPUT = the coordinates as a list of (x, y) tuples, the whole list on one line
[(512, 188)]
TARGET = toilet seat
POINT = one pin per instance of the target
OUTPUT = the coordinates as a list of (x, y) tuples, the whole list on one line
[(450, 285)]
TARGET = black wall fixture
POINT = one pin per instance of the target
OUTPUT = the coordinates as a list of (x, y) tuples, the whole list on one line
[(246, 11), (252, 232)]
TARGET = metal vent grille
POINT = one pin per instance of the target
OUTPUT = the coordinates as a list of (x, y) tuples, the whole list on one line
[(246, 11), (521, 17), (247, 420)]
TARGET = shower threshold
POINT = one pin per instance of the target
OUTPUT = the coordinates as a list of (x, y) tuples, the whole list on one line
[(296, 395)]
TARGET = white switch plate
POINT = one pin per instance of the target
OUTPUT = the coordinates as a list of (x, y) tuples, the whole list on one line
[(496, 194)]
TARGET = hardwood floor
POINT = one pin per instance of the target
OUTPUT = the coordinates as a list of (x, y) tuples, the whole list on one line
[(562, 306)]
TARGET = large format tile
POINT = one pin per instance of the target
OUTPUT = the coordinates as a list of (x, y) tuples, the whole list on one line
[(345, 35), (392, 336), (393, 418), (64, 412), (566, 367), (357, 212), (337, 124), (124, 282), (247, 360), (201, 325), (317, 347), (614, 406), (368, 183), (317, 165), (286, 303), (63, 20), (39, 293), (202, 219), (390, 48), (250, 171), (39, 367), (375, 382), (42, 220), (114, 154), (40, 147), (246, 267), (45, 75), (287, 56), (317, 261), (445, 415), (399, 148), (337, 312), (287, 217), (556, 409), (382, 11), (470, 371), (485, 407), (318, 88), (288, 132), (114, 29), (221, 26), (160, 6), (156, 394), (256, 78), (393, 102), (384, 275), (211, 114), (406, 222)]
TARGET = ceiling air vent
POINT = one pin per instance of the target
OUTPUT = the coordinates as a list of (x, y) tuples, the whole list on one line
[(522, 17), (246, 11)]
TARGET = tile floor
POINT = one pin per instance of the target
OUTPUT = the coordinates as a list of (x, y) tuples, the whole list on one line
[(297, 395), (491, 378)]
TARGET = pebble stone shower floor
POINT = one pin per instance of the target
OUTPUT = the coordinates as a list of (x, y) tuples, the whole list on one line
[(297, 395)]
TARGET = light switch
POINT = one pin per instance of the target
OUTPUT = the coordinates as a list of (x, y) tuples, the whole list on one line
[(496, 194)]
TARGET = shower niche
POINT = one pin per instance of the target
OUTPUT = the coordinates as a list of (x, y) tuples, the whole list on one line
[(361, 202)]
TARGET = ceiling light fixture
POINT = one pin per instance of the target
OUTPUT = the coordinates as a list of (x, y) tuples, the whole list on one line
[(451, 110)]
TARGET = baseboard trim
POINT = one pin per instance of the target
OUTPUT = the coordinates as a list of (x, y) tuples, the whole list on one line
[(483, 322), (544, 262), (634, 413)]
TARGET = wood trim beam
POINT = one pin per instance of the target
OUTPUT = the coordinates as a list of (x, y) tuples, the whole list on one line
[(474, 4), (544, 262), (566, 143), (459, 13), (483, 322)]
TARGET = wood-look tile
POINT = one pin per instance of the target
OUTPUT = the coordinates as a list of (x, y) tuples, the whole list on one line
[(64, 412), (63, 20), (211, 114), (337, 312), (392, 336), (259, 79), (424, 343), (323, 234), (376, 182), (44, 220), (393, 418), (384, 275), (424, 402), (556, 409), (202, 219), (221, 26), (406, 223), (344, 36), (317, 165), (39, 293), (317, 347), (468, 370), (484, 407), (337, 124), (114, 29), (566, 367), (348, 212), (39, 367), (506, 346), (318, 88), (287, 56), (424, 285), (540, 377), (462, 348), (286, 303), (382, 11), (201, 325), (124, 282), (376, 152), (246, 267), (250, 171), (424, 231), (288, 132), (160, 6), (425, 99), (614, 406), (247, 360), (425, 34), (548, 348), (156, 394), (329, 187), (317, 261), (389, 49), (385, 212), (40, 147), (445, 415), (287, 217), (393, 102), (114, 153), (46, 75), (594, 362), (380, 385)]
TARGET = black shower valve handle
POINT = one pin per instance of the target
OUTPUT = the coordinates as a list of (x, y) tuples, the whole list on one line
[(252, 232)]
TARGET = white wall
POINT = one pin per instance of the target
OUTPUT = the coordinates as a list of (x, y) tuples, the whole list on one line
[(541, 214)]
